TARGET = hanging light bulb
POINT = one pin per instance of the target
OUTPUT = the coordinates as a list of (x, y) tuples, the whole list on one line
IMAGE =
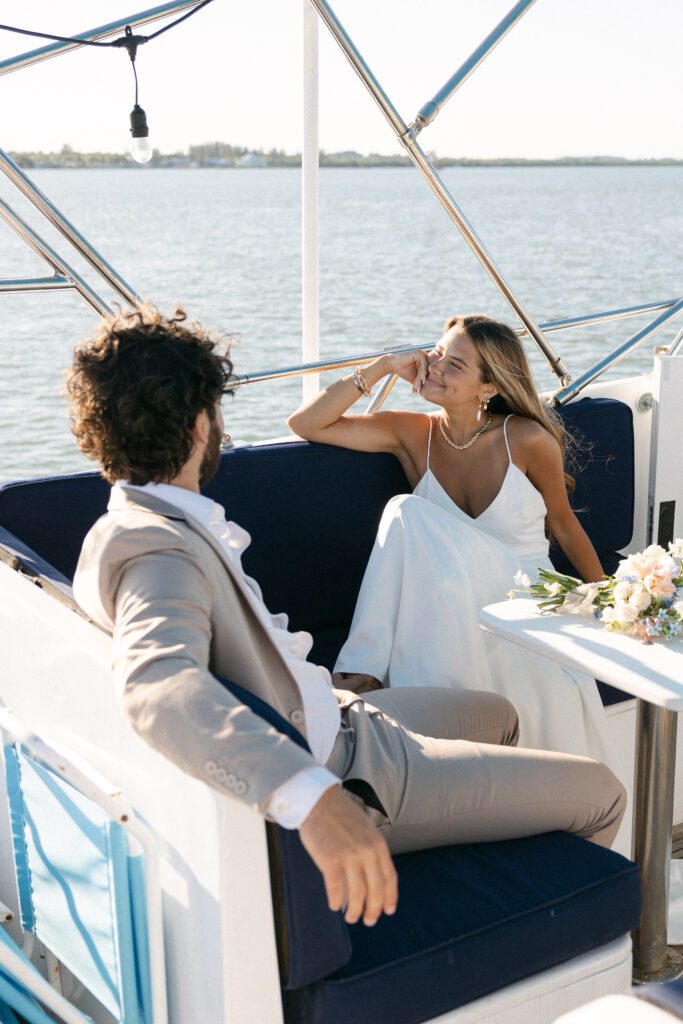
[(140, 149)]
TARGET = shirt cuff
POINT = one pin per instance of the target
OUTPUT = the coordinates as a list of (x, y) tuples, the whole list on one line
[(291, 803)]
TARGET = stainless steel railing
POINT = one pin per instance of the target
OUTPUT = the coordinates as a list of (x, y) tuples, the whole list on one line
[(73, 236), (24, 60), (429, 111), (408, 139), (668, 306), (663, 320), (64, 277)]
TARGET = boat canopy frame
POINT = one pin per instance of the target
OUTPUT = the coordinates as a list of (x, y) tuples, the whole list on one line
[(65, 277)]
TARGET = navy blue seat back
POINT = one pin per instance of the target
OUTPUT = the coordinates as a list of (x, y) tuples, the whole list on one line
[(604, 474), (53, 515), (313, 941), (313, 511)]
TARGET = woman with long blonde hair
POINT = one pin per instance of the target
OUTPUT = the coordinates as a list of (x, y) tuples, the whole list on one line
[(489, 484)]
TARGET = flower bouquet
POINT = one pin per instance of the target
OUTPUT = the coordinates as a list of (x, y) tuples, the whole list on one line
[(644, 598)]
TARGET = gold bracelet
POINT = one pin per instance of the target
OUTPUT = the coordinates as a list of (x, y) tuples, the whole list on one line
[(361, 383)]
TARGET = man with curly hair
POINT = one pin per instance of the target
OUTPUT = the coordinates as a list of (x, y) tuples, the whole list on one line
[(396, 770)]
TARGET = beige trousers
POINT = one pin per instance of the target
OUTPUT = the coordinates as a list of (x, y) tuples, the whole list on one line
[(436, 767)]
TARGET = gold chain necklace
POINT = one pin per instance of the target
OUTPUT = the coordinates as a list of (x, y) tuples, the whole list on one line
[(461, 447)]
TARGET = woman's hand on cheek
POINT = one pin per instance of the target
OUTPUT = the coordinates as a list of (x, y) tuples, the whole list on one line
[(411, 367)]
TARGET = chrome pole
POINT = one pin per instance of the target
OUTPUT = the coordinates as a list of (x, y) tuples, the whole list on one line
[(37, 284), (676, 343), (653, 819), (310, 208), (336, 363), (66, 228), (385, 389), (429, 111), (340, 362), (407, 138), (603, 318), (24, 60), (584, 379), (46, 252)]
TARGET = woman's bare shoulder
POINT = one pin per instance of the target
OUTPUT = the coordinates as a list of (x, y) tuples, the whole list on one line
[(529, 437), (411, 430), (406, 425)]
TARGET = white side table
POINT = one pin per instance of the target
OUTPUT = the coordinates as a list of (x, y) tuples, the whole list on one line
[(654, 674)]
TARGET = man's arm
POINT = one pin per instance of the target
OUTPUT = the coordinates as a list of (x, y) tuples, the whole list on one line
[(162, 641)]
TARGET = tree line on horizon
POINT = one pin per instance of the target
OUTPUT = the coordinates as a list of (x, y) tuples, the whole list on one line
[(223, 154)]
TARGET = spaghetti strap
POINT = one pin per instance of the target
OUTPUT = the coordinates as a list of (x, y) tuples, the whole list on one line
[(505, 433), (429, 442)]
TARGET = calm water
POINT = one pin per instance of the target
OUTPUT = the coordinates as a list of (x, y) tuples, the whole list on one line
[(226, 244)]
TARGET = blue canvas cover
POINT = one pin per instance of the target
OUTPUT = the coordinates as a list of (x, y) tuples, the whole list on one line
[(13, 994), (82, 880)]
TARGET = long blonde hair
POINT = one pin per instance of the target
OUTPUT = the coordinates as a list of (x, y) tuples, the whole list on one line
[(503, 363)]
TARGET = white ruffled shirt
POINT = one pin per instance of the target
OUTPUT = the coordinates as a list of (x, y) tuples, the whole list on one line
[(290, 803)]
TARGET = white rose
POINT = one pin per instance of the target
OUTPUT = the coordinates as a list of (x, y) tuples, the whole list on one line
[(626, 611), (654, 551), (676, 548), (521, 579), (640, 598), (622, 590), (627, 567)]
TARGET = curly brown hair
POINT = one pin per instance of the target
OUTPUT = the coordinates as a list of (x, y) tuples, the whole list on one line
[(136, 387)]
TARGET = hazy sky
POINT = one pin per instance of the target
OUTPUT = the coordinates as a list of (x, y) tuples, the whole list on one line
[(575, 77)]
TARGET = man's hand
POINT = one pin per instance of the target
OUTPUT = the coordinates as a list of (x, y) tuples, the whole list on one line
[(352, 857), (356, 682)]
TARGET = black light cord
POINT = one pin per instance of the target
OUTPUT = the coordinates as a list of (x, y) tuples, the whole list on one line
[(138, 118), (55, 39), (135, 76), (122, 41)]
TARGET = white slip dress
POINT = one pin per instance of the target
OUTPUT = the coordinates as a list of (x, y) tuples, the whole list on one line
[(416, 622)]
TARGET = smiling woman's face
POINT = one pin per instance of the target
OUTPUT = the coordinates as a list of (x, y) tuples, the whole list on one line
[(454, 372)]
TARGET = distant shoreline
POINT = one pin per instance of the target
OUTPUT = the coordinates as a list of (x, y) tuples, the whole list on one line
[(225, 157)]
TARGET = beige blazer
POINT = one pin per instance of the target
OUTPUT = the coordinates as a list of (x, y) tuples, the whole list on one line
[(178, 611)]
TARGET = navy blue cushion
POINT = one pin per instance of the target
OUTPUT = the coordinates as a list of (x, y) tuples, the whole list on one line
[(605, 489), (53, 515), (312, 511), (31, 562), (470, 920), (313, 941), (669, 997), (604, 474), (525, 905)]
